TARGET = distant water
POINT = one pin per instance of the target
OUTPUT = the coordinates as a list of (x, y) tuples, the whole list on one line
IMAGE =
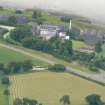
[(94, 9)]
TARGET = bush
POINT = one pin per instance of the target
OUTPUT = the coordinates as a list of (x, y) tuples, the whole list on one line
[(18, 12), (5, 81), (93, 69), (6, 92), (57, 68), (94, 99)]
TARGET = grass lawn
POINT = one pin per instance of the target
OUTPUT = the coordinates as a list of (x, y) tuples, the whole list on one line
[(7, 55), (80, 44), (1, 93), (48, 87)]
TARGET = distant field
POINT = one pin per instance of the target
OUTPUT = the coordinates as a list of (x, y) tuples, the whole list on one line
[(52, 19), (7, 55), (49, 87)]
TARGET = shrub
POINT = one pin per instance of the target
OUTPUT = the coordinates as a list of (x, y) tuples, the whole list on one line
[(18, 12), (6, 92), (57, 68), (5, 81), (94, 69)]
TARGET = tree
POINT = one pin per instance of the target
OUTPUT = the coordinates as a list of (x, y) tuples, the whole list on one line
[(57, 68), (18, 12), (12, 20), (20, 33), (65, 100), (39, 21), (17, 101), (1, 8), (6, 92), (25, 101), (36, 14), (27, 65), (66, 19), (66, 48), (5, 81), (98, 47), (15, 67), (2, 67), (94, 99)]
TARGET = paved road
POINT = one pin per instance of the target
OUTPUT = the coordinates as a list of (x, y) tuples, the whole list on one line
[(100, 77)]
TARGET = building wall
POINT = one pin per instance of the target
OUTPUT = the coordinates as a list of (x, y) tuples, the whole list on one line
[(47, 34)]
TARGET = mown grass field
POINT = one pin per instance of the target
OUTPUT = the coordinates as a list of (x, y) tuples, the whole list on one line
[(48, 88), (7, 55)]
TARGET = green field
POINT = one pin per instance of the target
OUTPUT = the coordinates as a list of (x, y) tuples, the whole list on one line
[(7, 55), (48, 87), (80, 44), (1, 90)]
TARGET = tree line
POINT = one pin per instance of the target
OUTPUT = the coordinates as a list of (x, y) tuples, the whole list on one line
[(16, 67), (92, 99)]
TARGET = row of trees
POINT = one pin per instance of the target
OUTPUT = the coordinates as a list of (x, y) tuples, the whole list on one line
[(5, 82), (12, 19), (25, 101), (16, 67), (93, 99)]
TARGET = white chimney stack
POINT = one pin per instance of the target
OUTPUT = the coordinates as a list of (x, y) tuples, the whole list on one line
[(70, 26)]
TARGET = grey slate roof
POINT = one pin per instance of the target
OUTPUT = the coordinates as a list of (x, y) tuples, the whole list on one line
[(22, 20), (3, 17)]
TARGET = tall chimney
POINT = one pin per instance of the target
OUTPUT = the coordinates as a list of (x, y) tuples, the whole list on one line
[(70, 26)]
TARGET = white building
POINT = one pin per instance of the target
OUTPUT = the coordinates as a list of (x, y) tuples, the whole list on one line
[(48, 31)]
